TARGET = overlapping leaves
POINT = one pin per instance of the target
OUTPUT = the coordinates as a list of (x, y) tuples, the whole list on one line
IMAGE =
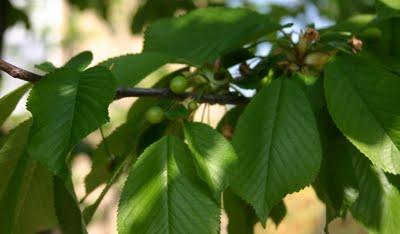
[(163, 192), (26, 189), (214, 156), (362, 98)]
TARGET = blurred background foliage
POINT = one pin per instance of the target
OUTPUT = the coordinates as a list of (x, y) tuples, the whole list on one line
[(32, 31)]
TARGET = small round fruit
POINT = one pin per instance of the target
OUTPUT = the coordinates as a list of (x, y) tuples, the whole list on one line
[(192, 106), (155, 115), (178, 85)]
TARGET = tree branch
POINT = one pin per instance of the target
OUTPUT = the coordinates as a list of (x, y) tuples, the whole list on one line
[(17, 72), (123, 92)]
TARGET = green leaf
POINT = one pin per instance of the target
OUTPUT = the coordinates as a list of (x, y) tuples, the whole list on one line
[(132, 68), (66, 106), (241, 216), (362, 98), (80, 61), (10, 151), (214, 156), (390, 42), (152, 10), (26, 197), (124, 141), (14, 15), (378, 203), (10, 101), (46, 67), (100, 6), (278, 145), (388, 8), (278, 213), (176, 112), (121, 144), (354, 24), (163, 192), (203, 35), (90, 210), (67, 209), (335, 184)]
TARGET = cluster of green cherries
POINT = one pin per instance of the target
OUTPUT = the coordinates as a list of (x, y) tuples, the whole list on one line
[(178, 85)]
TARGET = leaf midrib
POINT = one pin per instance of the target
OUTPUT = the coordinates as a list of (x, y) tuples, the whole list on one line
[(278, 101)]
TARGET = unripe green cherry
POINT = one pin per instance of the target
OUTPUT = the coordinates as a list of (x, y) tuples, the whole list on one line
[(192, 106), (155, 115), (178, 85)]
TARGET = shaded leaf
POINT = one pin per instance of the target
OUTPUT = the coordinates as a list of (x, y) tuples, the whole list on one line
[(121, 143), (354, 24), (214, 156), (278, 213), (11, 150), (278, 145), (80, 61), (132, 68), (26, 202), (10, 101), (15, 15), (203, 35), (378, 203), (241, 216), (335, 184), (46, 67), (124, 141), (152, 10), (67, 210), (100, 6), (388, 8), (176, 112)]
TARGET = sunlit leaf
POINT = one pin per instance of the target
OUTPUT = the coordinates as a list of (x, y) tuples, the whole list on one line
[(66, 106), (362, 99), (163, 192)]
